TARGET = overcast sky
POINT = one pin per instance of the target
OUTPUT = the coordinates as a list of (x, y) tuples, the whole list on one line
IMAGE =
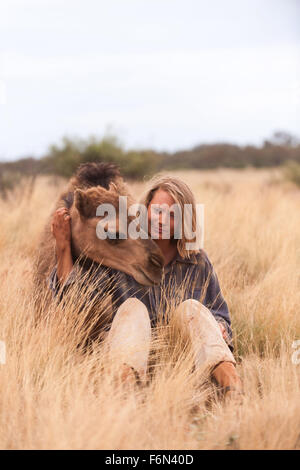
[(166, 74)]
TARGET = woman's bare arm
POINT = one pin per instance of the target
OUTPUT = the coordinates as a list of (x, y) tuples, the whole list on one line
[(61, 230)]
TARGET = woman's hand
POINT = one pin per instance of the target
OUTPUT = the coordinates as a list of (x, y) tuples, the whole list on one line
[(61, 229)]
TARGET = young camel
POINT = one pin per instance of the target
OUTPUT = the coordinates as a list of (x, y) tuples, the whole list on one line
[(92, 185)]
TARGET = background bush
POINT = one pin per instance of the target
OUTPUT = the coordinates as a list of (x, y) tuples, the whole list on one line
[(292, 171), (64, 158)]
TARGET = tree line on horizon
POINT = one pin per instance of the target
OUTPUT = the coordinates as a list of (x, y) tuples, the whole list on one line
[(63, 159)]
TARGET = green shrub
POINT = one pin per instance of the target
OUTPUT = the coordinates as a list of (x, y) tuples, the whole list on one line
[(63, 160), (138, 164), (107, 149)]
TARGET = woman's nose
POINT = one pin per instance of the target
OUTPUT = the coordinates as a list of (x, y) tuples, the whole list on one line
[(164, 219)]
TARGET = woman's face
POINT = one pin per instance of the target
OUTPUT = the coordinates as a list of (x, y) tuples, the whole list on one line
[(159, 221)]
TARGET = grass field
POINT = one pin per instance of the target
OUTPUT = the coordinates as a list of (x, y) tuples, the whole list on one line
[(52, 397)]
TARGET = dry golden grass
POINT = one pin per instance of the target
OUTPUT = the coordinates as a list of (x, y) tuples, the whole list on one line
[(54, 397)]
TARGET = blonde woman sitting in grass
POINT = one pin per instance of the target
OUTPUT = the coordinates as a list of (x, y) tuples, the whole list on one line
[(188, 282)]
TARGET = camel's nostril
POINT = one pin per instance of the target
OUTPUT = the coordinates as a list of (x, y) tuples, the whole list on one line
[(156, 260)]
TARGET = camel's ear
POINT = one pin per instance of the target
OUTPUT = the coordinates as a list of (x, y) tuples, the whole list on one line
[(83, 204)]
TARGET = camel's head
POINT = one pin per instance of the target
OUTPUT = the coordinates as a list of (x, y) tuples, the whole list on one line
[(141, 258)]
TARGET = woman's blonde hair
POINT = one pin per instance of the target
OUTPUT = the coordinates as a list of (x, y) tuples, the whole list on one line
[(182, 195)]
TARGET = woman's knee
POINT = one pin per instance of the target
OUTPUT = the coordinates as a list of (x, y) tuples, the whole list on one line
[(191, 311), (131, 307), (191, 306), (191, 303), (133, 303), (131, 322)]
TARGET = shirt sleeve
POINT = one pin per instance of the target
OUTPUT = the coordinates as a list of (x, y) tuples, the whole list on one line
[(215, 301), (98, 279), (58, 290)]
